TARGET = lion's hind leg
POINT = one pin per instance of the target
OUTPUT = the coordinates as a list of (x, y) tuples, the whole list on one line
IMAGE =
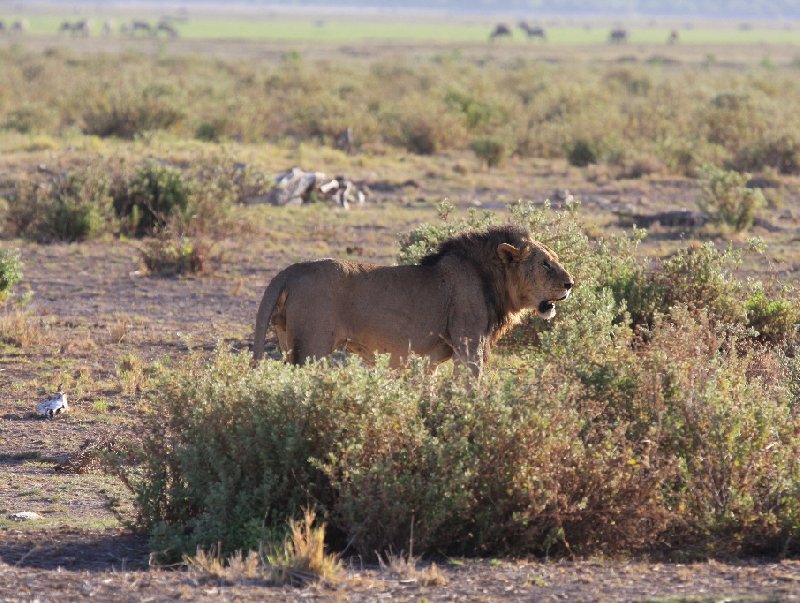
[(307, 344), (283, 340)]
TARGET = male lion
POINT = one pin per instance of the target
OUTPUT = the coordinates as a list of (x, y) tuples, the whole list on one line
[(456, 303)]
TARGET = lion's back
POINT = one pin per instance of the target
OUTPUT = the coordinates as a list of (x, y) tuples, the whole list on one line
[(358, 297)]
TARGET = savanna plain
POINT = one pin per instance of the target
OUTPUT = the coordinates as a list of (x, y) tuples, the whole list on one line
[(643, 445)]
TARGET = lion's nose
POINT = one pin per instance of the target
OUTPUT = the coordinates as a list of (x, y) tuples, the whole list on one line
[(568, 285)]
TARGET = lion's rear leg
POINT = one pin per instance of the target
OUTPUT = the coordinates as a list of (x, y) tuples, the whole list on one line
[(283, 341), (307, 344)]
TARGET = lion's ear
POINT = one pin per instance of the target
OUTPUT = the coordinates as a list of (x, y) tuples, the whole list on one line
[(508, 253)]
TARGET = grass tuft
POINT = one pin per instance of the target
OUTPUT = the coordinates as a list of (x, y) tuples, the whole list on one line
[(302, 557)]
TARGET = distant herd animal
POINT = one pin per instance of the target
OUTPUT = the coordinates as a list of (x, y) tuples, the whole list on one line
[(165, 26), (17, 27), (456, 302), (617, 35), (83, 28)]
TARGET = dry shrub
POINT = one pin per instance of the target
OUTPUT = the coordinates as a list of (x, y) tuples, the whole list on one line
[(78, 344), (128, 112), (119, 329), (688, 447), (641, 166), (724, 411), (170, 254)]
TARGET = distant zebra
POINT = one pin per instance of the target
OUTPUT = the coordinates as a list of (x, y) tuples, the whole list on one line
[(2, 26), (501, 30), (82, 28), (78, 28), (618, 36), (167, 28), (673, 37), (532, 31), (108, 27), (138, 27), (18, 27)]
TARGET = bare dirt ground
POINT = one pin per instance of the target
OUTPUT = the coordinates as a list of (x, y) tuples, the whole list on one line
[(94, 310), (471, 580)]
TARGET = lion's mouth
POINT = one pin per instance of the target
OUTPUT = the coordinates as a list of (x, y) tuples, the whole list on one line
[(546, 307)]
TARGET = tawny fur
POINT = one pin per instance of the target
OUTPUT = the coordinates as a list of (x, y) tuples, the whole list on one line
[(456, 303)]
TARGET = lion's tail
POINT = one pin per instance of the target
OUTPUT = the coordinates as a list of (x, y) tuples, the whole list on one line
[(265, 310)]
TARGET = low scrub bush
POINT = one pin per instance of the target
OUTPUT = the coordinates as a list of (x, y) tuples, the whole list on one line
[(726, 199), (688, 446), (489, 149), (136, 199), (128, 113), (155, 194), (170, 254), (69, 207), (588, 114), (781, 153), (10, 273), (582, 152)]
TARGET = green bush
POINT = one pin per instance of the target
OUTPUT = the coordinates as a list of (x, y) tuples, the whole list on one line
[(10, 273), (694, 447), (169, 255), (151, 197), (726, 199), (699, 276), (211, 131), (425, 238), (582, 152), (711, 405), (72, 207), (775, 320), (22, 120), (489, 149)]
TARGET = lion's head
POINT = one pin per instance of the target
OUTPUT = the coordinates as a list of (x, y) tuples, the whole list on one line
[(535, 278)]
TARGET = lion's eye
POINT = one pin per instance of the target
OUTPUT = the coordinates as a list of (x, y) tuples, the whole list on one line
[(548, 265)]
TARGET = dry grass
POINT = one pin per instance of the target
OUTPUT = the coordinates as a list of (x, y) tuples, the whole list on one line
[(119, 329), (235, 569), (19, 328), (130, 374), (302, 558), (404, 567)]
